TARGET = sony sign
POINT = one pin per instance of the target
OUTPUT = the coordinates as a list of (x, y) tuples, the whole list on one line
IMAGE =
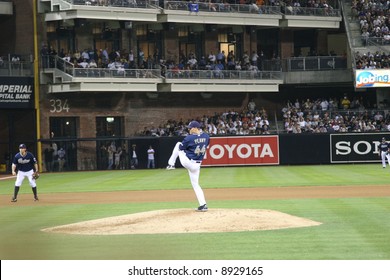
[(359, 147), (245, 150)]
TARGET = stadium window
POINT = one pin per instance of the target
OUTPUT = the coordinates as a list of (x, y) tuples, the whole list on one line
[(64, 127), (109, 126), (223, 37)]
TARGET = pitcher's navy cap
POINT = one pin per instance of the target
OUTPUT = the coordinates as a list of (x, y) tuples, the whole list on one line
[(194, 124), (22, 146)]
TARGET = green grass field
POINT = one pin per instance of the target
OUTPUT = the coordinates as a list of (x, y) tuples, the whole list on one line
[(352, 228)]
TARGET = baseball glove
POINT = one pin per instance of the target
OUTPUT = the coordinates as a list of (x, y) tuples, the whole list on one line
[(35, 175)]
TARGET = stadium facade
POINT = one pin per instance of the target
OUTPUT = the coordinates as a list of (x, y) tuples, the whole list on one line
[(45, 98)]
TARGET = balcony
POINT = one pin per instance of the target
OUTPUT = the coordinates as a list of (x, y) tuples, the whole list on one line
[(17, 65), (220, 13), (62, 76), (311, 17), (196, 12), (125, 10)]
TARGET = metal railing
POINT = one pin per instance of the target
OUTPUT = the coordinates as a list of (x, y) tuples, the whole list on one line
[(316, 63), (144, 4), (376, 41), (270, 69), (317, 12), (224, 74), (50, 62), (196, 6), (16, 65), (79, 72), (114, 73), (211, 6)]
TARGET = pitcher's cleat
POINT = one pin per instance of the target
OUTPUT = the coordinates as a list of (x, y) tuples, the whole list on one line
[(202, 208), (170, 167)]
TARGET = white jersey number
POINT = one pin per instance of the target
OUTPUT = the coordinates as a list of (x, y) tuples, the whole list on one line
[(200, 151)]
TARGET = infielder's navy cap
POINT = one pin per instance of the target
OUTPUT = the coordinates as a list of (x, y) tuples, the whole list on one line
[(194, 124), (22, 146)]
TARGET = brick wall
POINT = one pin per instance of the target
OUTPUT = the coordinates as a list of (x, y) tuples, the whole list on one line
[(138, 109)]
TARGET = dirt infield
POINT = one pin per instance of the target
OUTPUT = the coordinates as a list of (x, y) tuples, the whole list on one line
[(189, 221), (211, 194), (186, 221)]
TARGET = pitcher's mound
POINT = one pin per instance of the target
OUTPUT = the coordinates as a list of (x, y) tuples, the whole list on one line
[(186, 221)]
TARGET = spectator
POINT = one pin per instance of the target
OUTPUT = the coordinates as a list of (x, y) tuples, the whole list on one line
[(345, 103), (61, 159), (151, 161), (134, 157)]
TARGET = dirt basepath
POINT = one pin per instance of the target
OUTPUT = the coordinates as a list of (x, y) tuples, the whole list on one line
[(189, 221), (211, 194)]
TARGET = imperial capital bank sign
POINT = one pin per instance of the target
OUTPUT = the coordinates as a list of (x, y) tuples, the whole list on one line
[(16, 92), (256, 150)]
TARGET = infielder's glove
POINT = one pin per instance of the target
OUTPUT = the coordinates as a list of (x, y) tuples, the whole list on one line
[(35, 175)]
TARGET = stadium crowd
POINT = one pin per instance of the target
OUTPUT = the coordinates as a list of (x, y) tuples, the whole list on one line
[(319, 115), (370, 60), (373, 17), (332, 116), (123, 59), (245, 122)]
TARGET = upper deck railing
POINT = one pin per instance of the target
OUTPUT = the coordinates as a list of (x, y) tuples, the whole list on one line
[(50, 62), (144, 4), (206, 6), (270, 69), (223, 74), (212, 6), (316, 12), (316, 63), (79, 72), (16, 65)]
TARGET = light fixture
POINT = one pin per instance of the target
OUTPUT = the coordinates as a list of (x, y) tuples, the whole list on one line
[(141, 30), (96, 29), (183, 31), (51, 27), (110, 119)]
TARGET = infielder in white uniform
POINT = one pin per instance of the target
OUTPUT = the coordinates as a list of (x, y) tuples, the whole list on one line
[(384, 152), (191, 152), (23, 166)]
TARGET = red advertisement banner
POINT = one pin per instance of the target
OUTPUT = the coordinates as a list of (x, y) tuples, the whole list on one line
[(246, 150)]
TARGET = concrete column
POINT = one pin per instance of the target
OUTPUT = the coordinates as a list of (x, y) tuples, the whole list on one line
[(286, 43), (322, 42), (171, 46)]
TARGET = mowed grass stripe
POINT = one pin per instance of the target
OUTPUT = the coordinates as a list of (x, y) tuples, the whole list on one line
[(228, 177), (337, 238), (351, 225)]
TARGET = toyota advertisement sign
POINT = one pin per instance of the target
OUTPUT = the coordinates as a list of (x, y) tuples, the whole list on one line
[(359, 147), (260, 150)]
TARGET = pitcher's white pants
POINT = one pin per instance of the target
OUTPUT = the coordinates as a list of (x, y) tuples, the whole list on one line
[(193, 168)]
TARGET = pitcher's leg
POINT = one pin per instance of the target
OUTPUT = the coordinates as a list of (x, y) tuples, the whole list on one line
[(175, 154), (194, 177)]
